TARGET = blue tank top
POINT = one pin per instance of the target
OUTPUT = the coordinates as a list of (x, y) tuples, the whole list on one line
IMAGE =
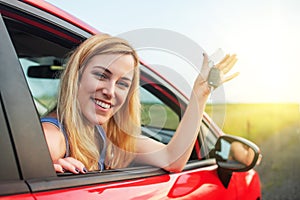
[(100, 130)]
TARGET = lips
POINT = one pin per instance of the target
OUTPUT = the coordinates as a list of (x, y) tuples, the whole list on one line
[(102, 104)]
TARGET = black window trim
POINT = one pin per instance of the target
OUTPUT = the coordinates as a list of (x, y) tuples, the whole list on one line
[(69, 180), (27, 134), (10, 182), (13, 188)]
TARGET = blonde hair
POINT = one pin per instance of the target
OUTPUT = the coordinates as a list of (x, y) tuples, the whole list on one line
[(121, 130)]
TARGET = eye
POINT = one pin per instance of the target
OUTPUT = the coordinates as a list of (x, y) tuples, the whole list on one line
[(123, 84), (100, 76)]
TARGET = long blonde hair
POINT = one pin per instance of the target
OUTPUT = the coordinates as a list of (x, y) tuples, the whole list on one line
[(121, 130)]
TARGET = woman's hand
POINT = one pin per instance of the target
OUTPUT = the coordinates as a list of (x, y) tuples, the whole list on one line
[(69, 164), (224, 66)]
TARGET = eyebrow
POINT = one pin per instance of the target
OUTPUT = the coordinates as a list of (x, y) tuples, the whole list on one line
[(104, 69), (108, 71)]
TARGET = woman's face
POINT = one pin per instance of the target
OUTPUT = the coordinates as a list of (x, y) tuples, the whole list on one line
[(104, 86)]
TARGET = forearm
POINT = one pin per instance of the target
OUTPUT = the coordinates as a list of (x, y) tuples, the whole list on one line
[(181, 145)]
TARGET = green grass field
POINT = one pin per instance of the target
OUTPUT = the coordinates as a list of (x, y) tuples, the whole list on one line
[(255, 121)]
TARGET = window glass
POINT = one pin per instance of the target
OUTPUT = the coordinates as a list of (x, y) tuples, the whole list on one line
[(44, 90), (207, 140), (155, 113)]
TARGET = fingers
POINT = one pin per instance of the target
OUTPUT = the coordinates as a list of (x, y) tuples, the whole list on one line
[(205, 59), (223, 62), (227, 63), (69, 164), (228, 78), (230, 64), (205, 68), (58, 168)]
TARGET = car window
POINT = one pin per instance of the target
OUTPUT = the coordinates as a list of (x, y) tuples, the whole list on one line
[(44, 90), (159, 121), (155, 113), (207, 140)]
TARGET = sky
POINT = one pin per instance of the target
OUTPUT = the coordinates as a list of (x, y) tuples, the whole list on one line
[(265, 35)]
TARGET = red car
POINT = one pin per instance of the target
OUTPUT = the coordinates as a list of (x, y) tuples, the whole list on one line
[(35, 38)]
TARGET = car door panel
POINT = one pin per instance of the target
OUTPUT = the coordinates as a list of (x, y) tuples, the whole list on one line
[(247, 184), (18, 197), (202, 183)]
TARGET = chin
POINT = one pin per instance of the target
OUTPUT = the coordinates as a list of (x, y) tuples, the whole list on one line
[(101, 120)]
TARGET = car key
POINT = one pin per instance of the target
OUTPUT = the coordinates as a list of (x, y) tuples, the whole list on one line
[(214, 77)]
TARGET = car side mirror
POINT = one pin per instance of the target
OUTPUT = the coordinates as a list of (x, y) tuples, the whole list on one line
[(234, 154), (45, 71)]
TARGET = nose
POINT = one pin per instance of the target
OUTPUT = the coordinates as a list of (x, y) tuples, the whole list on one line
[(108, 90)]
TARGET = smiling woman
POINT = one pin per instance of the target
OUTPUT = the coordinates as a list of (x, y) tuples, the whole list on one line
[(99, 111), (101, 87)]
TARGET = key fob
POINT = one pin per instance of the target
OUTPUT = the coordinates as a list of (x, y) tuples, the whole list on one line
[(214, 77)]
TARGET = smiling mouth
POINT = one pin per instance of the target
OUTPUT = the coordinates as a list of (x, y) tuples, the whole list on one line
[(102, 104)]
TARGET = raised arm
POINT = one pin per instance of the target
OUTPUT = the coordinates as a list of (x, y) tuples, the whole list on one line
[(173, 156)]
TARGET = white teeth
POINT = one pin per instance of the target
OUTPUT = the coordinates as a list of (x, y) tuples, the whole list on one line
[(102, 104)]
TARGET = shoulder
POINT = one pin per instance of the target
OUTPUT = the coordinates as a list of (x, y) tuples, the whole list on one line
[(55, 139), (52, 127)]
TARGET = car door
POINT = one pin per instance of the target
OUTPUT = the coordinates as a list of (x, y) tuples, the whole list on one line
[(33, 38)]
